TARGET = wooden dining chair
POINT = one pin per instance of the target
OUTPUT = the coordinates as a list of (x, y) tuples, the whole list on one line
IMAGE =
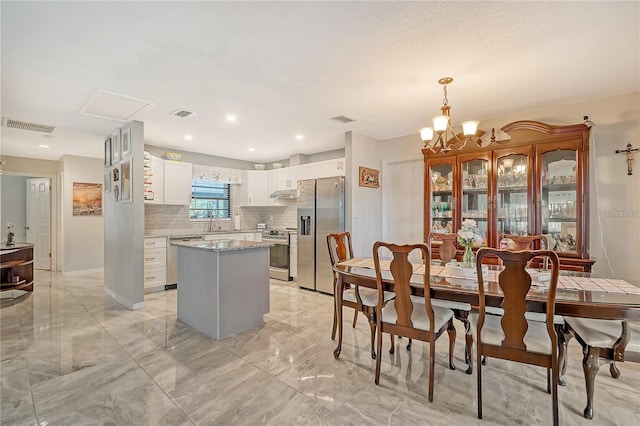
[(409, 315), (461, 311), (360, 299), (511, 336), (607, 339)]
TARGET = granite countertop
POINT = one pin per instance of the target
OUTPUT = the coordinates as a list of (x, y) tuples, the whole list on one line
[(221, 245), (198, 234), (15, 246)]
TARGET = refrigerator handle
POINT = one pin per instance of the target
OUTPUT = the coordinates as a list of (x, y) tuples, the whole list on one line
[(305, 225)]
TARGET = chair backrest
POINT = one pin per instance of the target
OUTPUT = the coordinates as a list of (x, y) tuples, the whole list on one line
[(515, 282), (339, 246), (447, 248), (526, 242), (401, 271)]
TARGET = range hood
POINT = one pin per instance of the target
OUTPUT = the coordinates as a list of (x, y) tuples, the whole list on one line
[(289, 194)]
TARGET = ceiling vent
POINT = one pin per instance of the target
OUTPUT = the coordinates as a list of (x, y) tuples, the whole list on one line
[(23, 125), (343, 119), (183, 113)]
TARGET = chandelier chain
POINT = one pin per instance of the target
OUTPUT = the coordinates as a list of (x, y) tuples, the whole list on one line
[(445, 101)]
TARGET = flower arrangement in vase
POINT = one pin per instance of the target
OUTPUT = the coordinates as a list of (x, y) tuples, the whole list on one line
[(469, 235)]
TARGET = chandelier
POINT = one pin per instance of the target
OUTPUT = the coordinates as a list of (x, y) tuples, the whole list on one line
[(440, 137)]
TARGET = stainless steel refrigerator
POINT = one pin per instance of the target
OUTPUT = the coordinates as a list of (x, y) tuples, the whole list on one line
[(320, 212)]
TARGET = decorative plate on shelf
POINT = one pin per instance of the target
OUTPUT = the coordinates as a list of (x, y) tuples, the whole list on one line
[(176, 156)]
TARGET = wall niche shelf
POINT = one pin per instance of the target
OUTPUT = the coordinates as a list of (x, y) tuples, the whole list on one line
[(16, 267)]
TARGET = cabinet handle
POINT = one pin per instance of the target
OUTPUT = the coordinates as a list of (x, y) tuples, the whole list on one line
[(150, 278), (149, 258)]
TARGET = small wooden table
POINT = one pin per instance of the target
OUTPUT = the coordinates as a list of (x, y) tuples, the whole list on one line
[(16, 266), (577, 295)]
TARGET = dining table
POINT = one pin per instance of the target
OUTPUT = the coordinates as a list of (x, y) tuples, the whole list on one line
[(578, 294)]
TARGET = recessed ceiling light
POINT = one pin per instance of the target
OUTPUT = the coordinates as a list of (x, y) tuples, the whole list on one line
[(231, 118), (299, 137), (252, 150), (43, 145), (188, 137)]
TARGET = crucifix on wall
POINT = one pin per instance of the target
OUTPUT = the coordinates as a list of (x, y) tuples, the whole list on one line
[(629, 151)]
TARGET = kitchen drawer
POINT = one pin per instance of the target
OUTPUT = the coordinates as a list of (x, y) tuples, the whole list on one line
[(155, 242), (154, 257), (154, 277)]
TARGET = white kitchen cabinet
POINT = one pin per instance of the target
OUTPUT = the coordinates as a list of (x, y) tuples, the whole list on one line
[(153, 179), (282, 178), (254, 190), (155, 264), (177, 182), (331, 168), (295, 174), (310, 171)]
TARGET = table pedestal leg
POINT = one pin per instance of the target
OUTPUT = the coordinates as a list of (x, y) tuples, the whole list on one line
[(590, 367), (563, 339)]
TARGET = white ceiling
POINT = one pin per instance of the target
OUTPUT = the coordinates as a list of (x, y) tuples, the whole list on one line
[(287, 68)]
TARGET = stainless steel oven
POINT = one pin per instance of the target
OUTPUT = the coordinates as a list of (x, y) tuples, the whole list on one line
[(278, 253)]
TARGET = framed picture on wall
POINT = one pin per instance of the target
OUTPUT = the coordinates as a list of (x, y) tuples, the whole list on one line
[(125, 181), (107, 152), (87, 199), (107, 181), (125, 142), (369, 178), (115, 146)]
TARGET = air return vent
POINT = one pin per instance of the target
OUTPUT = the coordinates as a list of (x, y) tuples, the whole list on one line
[(343, 119), (23, 125), (183, 113)]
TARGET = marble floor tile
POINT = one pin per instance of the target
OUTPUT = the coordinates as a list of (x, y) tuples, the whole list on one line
[(71, 355)]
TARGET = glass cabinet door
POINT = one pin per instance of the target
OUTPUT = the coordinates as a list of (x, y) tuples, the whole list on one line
[(558, 199), (513, 192), (475, 192), (441, 196)]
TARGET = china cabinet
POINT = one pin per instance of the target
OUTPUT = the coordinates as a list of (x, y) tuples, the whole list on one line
[(535, 183)]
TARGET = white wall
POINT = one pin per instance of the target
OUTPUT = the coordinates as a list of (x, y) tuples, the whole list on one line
[(614, 196), (363, 216), (124, 231), (83, 236), (14, 206)]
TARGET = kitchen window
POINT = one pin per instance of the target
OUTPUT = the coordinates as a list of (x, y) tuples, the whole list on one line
[(210, 199)]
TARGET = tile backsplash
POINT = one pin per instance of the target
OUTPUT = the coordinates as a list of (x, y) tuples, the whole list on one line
[(162, 219)]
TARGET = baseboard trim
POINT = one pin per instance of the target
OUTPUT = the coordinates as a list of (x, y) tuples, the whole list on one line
[(123, 301)]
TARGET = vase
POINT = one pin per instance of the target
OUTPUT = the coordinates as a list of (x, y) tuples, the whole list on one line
[(468, 257)]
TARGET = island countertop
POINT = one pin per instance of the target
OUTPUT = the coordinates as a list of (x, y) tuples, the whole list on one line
[(221, 245)]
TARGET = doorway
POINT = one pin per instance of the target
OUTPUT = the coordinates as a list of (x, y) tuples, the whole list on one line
[(27, 203)]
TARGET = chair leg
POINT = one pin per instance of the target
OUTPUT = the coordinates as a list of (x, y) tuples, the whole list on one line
[(355, 317), (479, 374), (451, 331), (379, 358), (564, 336), (613, 369), (554, 395), (372, 325), (409, 344), (393, 345), (335, 323), (548, 381), (468, 349), (432, 366)]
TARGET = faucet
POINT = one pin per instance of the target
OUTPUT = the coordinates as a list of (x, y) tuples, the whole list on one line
[(217, 227)]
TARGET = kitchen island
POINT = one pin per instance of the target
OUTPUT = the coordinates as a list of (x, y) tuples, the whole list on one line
[(223, 285)]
